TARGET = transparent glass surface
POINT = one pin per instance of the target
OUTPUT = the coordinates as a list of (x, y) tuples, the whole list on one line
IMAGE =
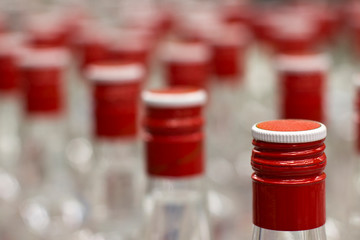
[(176, 209), (114, 190), (49, 205), (266, 234), (10, 118)]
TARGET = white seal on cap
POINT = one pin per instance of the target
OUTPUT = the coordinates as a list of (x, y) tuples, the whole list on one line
[(296, 136), (174, 99), (184, 52), (43, 57), (130, 72), (303, 63)]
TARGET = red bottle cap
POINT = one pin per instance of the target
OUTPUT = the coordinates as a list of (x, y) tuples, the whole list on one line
[(261, 26), (228, 49), (10, 48), (288, 183), (235, 12), (294, 34), (174, 135), (132, 45), (90, 44), (42, 70), (302, 84), (198, 23), (116, 97), (187, 64), (147, 18), (47, 30)]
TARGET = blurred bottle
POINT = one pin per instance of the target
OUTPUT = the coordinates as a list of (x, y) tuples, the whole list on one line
[(354, 197), (115, 185), (10, 100), (89, 45), (131, 44), (47, 30), (48, 205), (229, 51), (228, 90), (176, 205), (302, 85), (10, 119), (288, 202), (352, 13), (186, 64), (229, 98)]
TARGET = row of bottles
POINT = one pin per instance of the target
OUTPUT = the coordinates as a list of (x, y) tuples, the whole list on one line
[(86, 152)]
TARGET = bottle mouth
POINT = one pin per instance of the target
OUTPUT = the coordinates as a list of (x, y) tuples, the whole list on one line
[(175, 97), (290, 148), (289, 131), (303, 63), (115, 72), (44, 58)]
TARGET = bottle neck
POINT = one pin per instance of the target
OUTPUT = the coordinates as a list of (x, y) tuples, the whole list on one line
[(176, 184), (266, 234), (45, 128), (43, 153), (117, 149), (288, 185)]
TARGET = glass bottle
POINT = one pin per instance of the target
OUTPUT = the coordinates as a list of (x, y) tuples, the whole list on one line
[(48, 204), (175, 206), (10, 100), (288, 160), (115, 184), (89, 46)]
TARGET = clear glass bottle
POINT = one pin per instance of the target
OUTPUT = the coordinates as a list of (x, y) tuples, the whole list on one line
[(176, 203), (115, 184), (89, 45), (10, 100), (288, 160), (48, 206)]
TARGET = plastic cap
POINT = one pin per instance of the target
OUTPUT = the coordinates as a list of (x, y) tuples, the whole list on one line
[(185, 52), (115, 72), (303, 63), (174, 97), (289, 131), (44, 57)]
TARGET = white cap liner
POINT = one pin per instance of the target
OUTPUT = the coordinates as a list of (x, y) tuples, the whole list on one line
[(303, 63), (132, 72), (174, 100), (185, 52), (289, 137), (44, 58)]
